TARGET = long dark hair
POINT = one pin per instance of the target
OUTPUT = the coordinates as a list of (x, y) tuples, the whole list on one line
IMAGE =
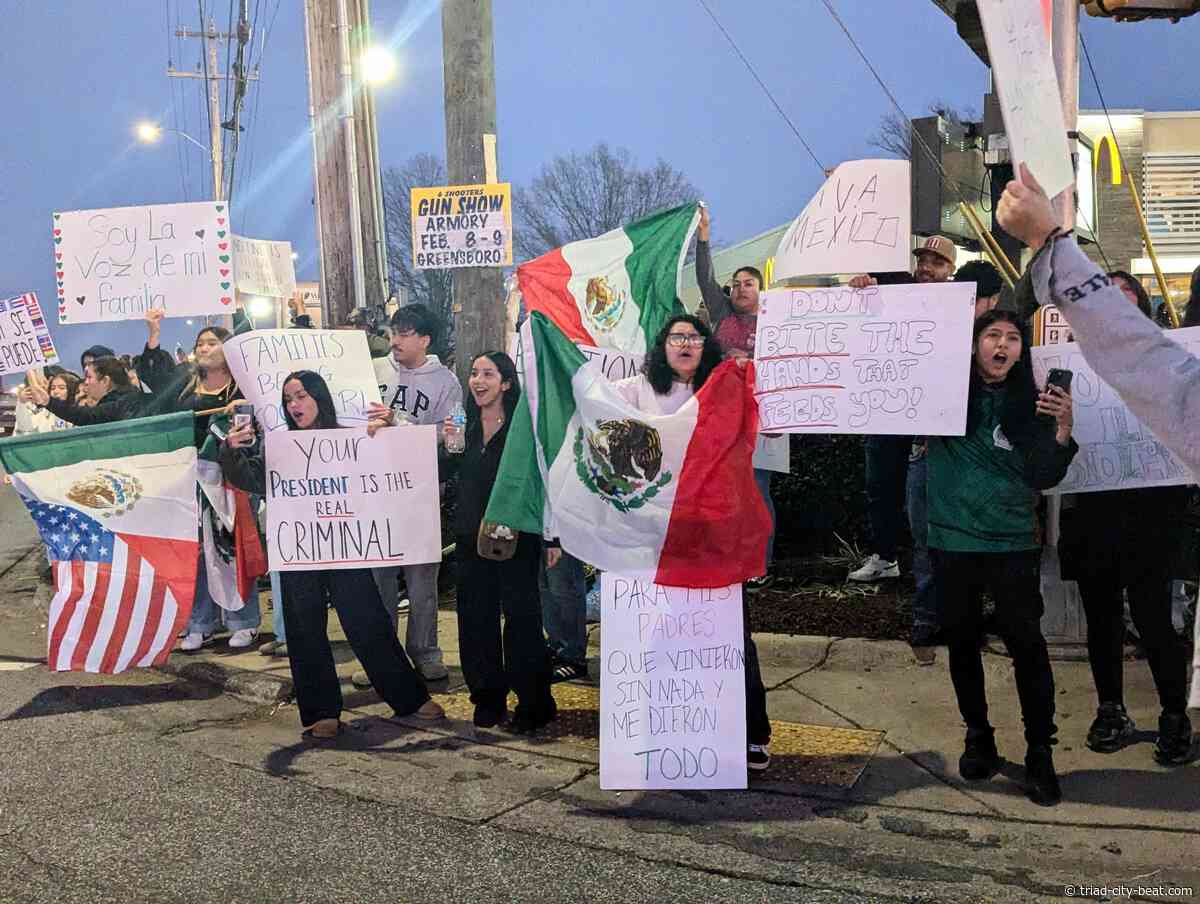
[(1143, 298), (509, 399), (73, 382), (658, 372), (1020, 398), (314, 384), (1191, 316), (190, 386)]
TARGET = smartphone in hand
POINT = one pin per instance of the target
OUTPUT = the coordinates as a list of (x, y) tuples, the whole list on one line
[(1059, 377)]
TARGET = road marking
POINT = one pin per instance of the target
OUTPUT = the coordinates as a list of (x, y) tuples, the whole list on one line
[(16, 666)]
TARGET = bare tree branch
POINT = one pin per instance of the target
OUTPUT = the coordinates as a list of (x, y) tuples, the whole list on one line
[(894, 136)]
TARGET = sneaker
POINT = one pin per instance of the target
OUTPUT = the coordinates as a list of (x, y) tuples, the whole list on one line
[(1041, 781), (980, 760), (566, 670), (360, 680), (433, 671), (275, 648), (924, 655), (403, 606), (875, 569), (758, 758), (1111, 730), (194, 641), (1174, 745), (760, 583), (243, 637)]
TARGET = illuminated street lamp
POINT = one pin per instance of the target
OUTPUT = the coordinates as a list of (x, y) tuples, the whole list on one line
[(378, 65), (151, 133)]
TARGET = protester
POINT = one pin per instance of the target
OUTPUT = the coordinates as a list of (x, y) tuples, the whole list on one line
[(494, 662), (91, 354), (203, 388), (352, 592), (364, 319), (106, 382), (1117, 545), (33, 418), (419, 389), (988, 284), (676, 367), (1191, 314), (734, 319), (981, 536), (563, 591)]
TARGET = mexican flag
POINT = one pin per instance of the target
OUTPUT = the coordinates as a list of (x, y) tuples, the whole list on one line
[(116, 507), (619, 289), (670, 498)]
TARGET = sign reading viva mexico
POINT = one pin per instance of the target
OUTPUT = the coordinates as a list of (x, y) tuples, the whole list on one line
[(462, 226), (119, 263)]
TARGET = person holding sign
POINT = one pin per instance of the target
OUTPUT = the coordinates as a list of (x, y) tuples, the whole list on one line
[(982, 495), (683, 356), (308, 405), (497, 570)]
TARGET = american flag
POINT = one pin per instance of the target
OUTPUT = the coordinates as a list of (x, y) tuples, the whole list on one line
[(110, 609)]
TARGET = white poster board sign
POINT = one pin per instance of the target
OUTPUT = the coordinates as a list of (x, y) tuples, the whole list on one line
[(462, 226), (261, 360), (1023, 70), (342, 499), (1116, 451), (119, 263), (672, 686), (615, 365), (884, 360), (264, 268), (773, 453), (24, 337), (859, 222)]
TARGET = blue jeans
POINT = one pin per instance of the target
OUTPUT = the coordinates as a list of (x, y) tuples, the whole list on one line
[(564, 608), (886, 467), (277, 624), (924, 606), (207, 616), (763, 478)]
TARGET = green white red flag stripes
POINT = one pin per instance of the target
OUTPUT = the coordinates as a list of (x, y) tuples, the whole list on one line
[(616, 290), (116, 507), (671, 497)]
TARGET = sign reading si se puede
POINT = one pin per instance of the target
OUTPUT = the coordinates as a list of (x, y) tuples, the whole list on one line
[(119, 263), (342, 499), (261, 360), (887, 360), (672, 686), (24, 337), (462, 226)]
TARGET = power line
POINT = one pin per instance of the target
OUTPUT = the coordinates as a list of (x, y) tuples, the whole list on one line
[(262, 50), (761, 84), (174, 106), (207, 86)]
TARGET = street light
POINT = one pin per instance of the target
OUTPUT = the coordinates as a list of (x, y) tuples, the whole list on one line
[(150, 133), (378, 65)]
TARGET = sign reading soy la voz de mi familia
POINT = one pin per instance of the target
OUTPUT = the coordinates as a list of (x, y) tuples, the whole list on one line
[(462, 226)]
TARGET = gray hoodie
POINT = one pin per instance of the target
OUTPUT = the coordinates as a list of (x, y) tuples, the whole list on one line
[(1158, 379), (425, 393)]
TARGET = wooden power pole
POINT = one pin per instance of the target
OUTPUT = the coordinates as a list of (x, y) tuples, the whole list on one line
[(341, 111), (469, 67)]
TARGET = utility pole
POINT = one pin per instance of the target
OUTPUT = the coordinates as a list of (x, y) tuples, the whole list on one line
[(213, 77), (469, 74), (346, 180)]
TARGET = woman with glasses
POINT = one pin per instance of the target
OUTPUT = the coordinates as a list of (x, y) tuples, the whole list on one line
[(683, 356)]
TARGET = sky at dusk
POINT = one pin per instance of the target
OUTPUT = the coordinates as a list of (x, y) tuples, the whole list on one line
[(657, 78)]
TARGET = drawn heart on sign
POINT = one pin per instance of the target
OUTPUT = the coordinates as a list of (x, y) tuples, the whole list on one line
[(224, 246), (58, 254), (220, 207), (57, 215), (58, 241), (199, 233), (58, 232), (224, 272), (225, 299), (220, 233), (60, 274), (225, 286), (224, 258), (81, 298), (220, 221)]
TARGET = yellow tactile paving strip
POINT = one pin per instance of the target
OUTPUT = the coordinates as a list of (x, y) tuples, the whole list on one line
[(802, 754)]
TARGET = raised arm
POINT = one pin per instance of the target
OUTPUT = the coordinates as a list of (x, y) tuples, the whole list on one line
[(715, 299)]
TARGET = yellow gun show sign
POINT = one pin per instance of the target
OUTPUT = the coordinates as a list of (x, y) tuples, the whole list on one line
[(462, 226)]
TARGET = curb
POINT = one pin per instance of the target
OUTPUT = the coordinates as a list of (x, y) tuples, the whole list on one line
[(254, 687)]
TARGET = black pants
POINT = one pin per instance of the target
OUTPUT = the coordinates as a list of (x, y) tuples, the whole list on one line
[(369, 630), (886, 479), (495, 661), (758, 726), (1150, 605), (1013, 578)]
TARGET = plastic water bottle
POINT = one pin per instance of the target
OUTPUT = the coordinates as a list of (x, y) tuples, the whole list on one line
[(455, 438)]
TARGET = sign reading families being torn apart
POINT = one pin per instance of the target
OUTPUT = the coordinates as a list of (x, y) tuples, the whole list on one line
[(883, 360), (119, 263), (859, 222), (462, 226)]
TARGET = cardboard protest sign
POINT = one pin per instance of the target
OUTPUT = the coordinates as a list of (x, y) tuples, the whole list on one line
[(1023, 70), (342, 499), (462, 226), (672, 686), (884, 360), (261, 360), (859, 222), (24, 337), (261, 267), (119, 263), (1116, 451), (614, 364)]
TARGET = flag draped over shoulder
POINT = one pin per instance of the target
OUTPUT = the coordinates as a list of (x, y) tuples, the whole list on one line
[(618, 289), (669, 496), (116, 507)]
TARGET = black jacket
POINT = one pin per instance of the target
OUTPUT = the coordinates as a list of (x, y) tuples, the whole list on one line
[(245, 468), (477, 467), (118, 405)]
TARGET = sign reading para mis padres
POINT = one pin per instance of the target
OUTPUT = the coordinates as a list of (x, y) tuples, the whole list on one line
[(462, 226)]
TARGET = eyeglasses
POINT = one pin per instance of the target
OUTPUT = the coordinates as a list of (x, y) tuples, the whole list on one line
[(405, 334), (679, 340)]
